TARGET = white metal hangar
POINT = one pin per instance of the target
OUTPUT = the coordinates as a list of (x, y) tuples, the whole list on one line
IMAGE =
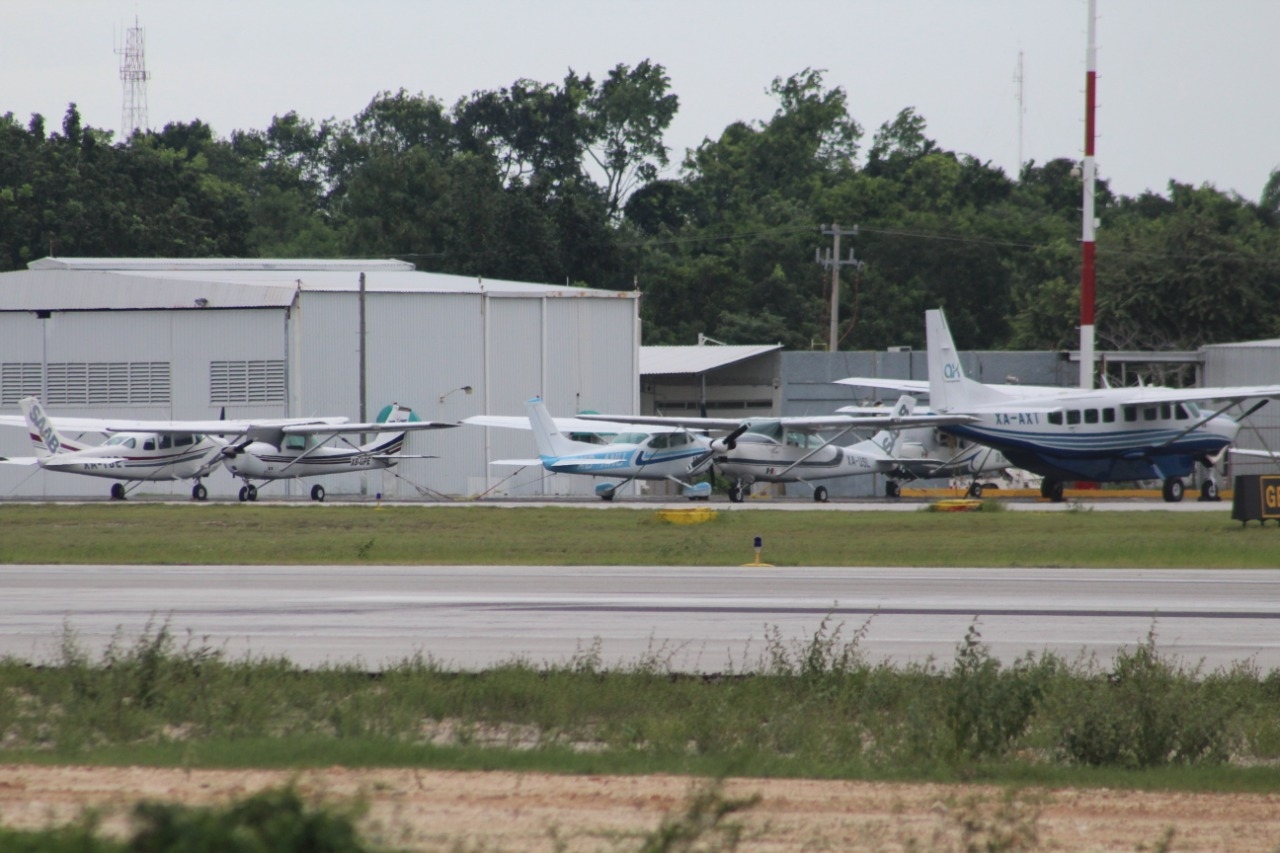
[(174, 339)]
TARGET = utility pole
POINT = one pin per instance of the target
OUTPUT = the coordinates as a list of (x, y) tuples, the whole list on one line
[(834, 262)]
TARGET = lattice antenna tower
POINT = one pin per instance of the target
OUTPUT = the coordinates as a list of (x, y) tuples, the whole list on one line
[(133, 77)]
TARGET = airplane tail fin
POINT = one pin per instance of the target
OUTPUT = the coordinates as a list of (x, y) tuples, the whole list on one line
[(397, 414), (45, 437), (888, 439), (551, 442), (949, 388)]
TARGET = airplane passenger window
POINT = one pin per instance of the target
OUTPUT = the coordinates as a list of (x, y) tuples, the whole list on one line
[(1091, 416), (295, 442), (1166, 411), (1073, 416), (182, 440), (149, 444), (166, 441), (1055, 418), (1149, 413), (1130, 414), (1108, 416)]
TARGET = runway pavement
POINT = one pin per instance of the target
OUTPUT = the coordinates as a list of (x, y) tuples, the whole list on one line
[(689, 619)]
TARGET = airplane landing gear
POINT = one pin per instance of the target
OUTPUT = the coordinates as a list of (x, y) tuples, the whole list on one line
[(1209, 491), (1051, 490), (975, 490), (607, 495), (1173, 490), (117, 491), (199, 492), (892, 489), (737, 493), (317, 493), (820, 494), (248, 492)]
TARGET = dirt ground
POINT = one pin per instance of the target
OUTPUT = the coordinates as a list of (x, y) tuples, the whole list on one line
[(502, 811)]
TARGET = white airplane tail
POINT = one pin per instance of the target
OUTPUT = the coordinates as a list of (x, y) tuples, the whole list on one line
[(888, 439), (44, 435), (949, 389), (551, 442)]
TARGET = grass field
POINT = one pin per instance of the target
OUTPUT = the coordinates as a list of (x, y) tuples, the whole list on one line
[(448, 535)]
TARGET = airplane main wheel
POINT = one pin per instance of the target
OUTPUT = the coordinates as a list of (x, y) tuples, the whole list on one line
[(251, 492), (820, 494), (117, 491), (607, 496), (317, 493), (1209, 491), (735, 494), (975, 490), (244, 493), (1173, 490), (199, 492), (893, 489)]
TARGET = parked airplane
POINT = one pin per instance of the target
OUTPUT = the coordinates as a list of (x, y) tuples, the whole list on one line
[(629, 454), (793, 450), (136, 452), (139, 451), (1104, 435), (288, 451)]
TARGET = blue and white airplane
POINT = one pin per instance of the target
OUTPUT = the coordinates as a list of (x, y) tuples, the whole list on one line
[(1104, 435), (632, 453)]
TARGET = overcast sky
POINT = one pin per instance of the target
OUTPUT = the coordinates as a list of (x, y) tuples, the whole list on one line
[(1187, 88)]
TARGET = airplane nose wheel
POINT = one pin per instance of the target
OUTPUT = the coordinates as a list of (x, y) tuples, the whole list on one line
[(317, 493)]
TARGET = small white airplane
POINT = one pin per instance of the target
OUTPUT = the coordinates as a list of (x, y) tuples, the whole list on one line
[(288, 451), (140, 451), (629, 454), (136, 452), (793, 449), (1103, 435)]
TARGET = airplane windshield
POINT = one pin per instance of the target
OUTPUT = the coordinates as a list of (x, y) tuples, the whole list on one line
[(630, 438), (121, 441), (768, 429)]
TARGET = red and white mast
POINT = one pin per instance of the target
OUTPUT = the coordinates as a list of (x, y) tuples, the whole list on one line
[(1087, 235)]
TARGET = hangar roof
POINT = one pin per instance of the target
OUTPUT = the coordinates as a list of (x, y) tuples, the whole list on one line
[(655, 361), (96, 283)]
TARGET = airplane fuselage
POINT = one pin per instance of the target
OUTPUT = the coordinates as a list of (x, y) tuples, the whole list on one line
[(264, 461), (140, 456), (1102, 438)]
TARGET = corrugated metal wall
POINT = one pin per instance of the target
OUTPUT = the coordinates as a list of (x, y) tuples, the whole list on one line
[(1254, 364)]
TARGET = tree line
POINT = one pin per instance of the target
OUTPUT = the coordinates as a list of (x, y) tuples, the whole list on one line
[(568, 182)]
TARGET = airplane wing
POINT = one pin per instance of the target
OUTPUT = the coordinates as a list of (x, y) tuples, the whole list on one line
[(19, 460), (349, 428), (582, 423), (1236, 393), (904, 386), (886, 420)]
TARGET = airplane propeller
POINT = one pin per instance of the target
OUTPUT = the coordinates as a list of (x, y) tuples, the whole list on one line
[(719, 445)]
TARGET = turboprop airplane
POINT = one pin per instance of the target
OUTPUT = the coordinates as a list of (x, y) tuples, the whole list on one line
[(793, 450), (136, 452), (1104, 435), (630, 454), (289, 451)]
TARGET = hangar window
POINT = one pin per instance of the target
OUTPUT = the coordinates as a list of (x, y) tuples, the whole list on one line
[(261, 381), (107, 383), (20, 379)]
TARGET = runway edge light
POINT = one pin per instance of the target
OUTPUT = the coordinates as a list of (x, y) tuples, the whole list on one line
[(758, 544)]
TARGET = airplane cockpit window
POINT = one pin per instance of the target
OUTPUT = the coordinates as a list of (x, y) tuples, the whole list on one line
[(660, 441), (183, 440), (149, 444), (121, 441), (295, 442), (680, 439), (1181, 413), (1166, 411), (166, 442), (768, 429), (1193, 409), (795, 438), (629, 438)]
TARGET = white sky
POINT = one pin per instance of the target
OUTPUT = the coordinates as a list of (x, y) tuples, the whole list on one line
[(1186, 87)]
